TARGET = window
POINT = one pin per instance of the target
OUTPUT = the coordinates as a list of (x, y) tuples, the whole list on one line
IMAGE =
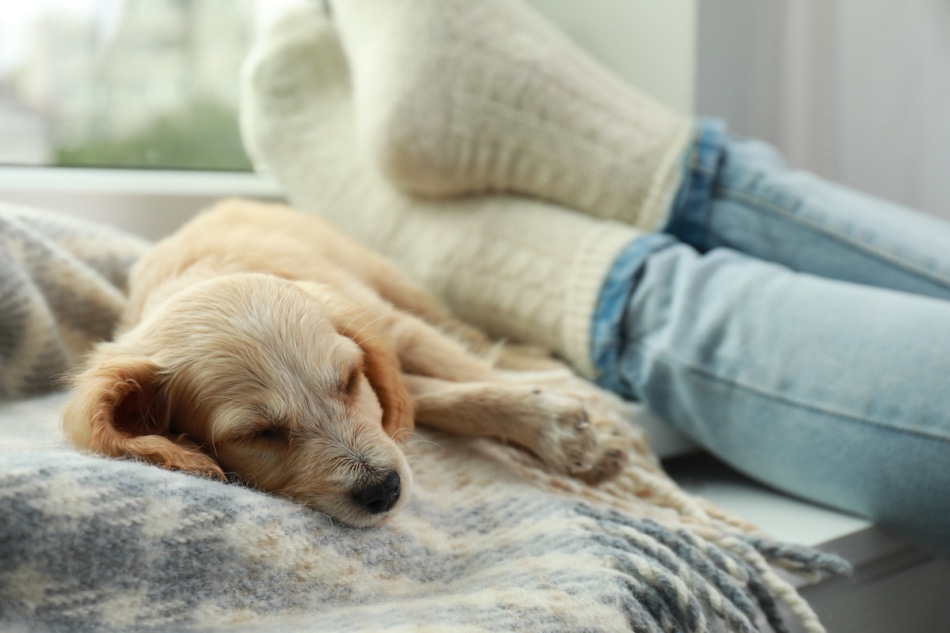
[(124, 83)]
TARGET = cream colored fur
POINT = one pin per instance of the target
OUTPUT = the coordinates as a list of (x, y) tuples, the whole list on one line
[(260, 344)]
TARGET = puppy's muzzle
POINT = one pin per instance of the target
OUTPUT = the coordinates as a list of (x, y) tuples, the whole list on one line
[(380, 497)]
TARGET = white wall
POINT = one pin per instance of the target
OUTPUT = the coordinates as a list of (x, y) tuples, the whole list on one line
[(855, 90)]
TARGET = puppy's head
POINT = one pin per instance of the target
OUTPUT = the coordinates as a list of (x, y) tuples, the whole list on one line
[(261, 378)]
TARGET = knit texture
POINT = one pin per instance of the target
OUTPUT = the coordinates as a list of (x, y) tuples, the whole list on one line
[(519, 268), (488, 542), (61, 290), (458, 97)]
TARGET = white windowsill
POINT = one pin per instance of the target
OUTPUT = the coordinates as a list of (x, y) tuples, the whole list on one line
[(135, 181), (152, 203)]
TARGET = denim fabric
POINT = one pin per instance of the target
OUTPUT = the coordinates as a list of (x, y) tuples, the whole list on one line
[(700, 167), (796, 329), (607, 339), (739, 194)]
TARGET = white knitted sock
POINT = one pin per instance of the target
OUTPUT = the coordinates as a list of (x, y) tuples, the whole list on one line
[(518, 268), (461, 97)]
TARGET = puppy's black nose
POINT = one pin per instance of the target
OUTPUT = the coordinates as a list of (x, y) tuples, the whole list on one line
[(379, 497)]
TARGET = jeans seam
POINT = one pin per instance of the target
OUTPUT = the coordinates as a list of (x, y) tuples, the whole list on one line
[(708, 375), (779, 210)]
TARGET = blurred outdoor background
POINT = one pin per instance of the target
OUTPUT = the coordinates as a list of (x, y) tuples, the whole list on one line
[(123, 83)]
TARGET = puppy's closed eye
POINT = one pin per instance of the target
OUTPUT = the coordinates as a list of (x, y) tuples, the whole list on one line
[(270, 434), (260, 433)]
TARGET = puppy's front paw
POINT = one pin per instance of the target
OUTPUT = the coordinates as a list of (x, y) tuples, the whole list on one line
[(610, 459), (617, 438), (567, 440)]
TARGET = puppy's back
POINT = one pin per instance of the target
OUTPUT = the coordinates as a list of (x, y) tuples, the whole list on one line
[(246, 236)]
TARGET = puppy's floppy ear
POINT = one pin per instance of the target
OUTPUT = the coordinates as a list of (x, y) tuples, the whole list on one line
[(384, 374), (121, 408)]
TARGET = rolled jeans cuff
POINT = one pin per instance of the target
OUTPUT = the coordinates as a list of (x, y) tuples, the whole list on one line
[(607, 332), (687, 220)]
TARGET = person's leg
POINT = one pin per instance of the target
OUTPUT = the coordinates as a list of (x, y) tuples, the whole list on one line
[(495, 99), (833, 391), (740, 194)]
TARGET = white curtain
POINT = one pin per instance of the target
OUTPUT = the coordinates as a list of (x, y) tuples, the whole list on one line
[(855, 90)]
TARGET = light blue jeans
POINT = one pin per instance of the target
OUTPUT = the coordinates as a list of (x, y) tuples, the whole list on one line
[(796, 329)]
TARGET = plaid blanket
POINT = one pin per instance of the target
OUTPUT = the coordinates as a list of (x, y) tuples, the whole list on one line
[(490, 541), (61, 290)]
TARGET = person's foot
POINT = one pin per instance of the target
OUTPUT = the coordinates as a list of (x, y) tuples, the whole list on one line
[(456, 97)]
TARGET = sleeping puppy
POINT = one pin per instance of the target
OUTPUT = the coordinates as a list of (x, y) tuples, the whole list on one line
[(261, 343)]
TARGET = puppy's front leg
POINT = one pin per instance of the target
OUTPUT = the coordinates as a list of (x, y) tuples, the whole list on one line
[(423, 350), (553, 426)]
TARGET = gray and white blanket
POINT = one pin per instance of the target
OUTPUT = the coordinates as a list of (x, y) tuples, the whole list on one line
[(490, 541), (61, 290)]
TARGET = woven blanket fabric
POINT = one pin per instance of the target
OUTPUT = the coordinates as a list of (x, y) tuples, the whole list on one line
[(490, 540), (61, 282)]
